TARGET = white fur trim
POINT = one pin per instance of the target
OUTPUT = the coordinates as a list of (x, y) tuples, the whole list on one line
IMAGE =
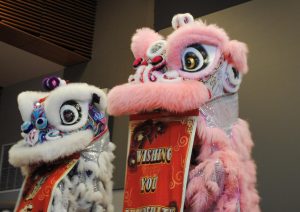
[(25, 170), (80, 92), (21, 154), (26, 100), (57, 202), (84, 192)]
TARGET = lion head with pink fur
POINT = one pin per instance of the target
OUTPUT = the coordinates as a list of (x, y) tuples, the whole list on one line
[(196, 63), (197, 67)]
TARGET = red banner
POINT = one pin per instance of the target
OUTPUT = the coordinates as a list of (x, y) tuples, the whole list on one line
[(36, 194), (158, 161)]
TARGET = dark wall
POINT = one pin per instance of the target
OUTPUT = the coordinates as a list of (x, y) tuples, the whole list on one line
[(165, 10)]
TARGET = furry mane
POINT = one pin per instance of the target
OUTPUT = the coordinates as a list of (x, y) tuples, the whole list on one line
[(174, 97)]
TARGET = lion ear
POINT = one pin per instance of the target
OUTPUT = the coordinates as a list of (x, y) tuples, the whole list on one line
[(142, 39), (180, 20), (236, 54)]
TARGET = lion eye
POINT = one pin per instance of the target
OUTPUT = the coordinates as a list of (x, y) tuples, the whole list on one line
[(191, 62), (70, 113), (197, 57)]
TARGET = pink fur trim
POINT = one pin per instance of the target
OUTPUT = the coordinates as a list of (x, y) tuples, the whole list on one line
[(174, 97), (236, 54), (241, 139), (196, 32), (141, 40)]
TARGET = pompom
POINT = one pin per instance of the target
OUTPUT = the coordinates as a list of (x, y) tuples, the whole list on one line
[(51, 83), (141, 40)]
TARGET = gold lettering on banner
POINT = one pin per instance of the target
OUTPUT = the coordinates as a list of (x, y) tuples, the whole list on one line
[(148, 184), (154, 156)]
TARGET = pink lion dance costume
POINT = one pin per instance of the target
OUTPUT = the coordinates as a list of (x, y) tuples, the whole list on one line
[(197, 66), (65, 153)]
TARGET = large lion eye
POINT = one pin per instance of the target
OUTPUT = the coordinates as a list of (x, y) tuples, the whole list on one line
[(70, 113), (197, 57), (191, 61)]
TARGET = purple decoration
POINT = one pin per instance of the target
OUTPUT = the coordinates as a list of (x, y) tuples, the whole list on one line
[(51, 83)]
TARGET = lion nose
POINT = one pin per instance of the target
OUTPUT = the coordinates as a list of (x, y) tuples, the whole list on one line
[(156, 60), (137, 62)]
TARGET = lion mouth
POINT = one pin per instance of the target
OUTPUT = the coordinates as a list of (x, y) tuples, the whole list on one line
[(178, 97), (22, 154)]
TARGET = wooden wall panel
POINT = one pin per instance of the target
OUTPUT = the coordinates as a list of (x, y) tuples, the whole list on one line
[(66, 23)]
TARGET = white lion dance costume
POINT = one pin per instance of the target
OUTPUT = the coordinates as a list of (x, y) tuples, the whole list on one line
[(196, 67), (65, 152)]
